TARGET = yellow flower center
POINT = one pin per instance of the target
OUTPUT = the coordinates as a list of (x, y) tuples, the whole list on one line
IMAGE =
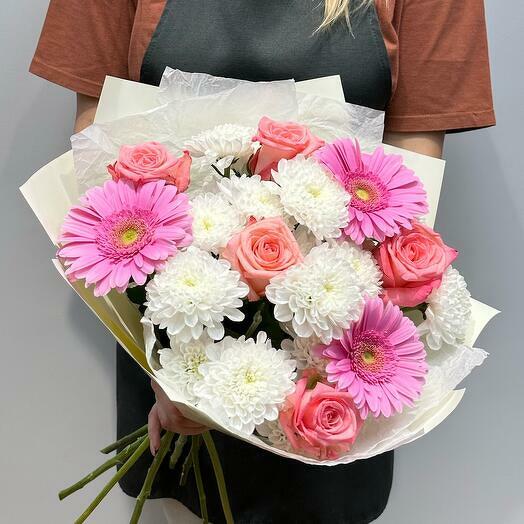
[(194, 363), (328, 287), (189, 281), (362, 194), (207, 224), (314, 191), (128, 236), (250, 377), (368, 357)]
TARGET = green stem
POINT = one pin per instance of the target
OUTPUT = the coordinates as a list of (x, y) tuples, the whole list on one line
[(421, 308), (177, 452), (186, 468), (257, 319), (219, 474), (408, 309), (165, 445), (195, 449), (124, 441), (120, 458), (118, 475)]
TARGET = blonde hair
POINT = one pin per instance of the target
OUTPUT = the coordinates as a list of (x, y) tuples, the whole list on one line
[(337, 9)]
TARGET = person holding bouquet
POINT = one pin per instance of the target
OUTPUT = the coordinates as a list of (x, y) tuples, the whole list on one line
[(424, 63)]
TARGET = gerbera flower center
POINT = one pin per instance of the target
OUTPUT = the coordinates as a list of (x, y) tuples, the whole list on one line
[(368, 192), (123, 234), (374, 357), (128, 236), (362, 193), (128, 231), (369, 357)]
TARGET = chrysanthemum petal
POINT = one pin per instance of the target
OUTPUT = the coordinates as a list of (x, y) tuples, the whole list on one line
[(192, 291)]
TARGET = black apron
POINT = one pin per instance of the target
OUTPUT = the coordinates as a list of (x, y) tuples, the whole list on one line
[(261, 41)]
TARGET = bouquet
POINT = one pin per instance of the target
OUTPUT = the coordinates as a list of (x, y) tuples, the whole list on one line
[(269, 263)]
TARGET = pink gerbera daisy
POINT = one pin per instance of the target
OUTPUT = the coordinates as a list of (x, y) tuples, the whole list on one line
[(385, 194), (122, 231), (380, 360)]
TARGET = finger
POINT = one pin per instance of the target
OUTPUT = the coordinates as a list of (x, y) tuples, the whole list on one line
[(195, 429), (190, 430), (170, 417), (172, 420), (159, 392), (154, 386), (175, 415), (153, 430)]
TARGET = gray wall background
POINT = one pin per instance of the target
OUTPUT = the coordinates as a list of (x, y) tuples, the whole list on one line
[(57, 384)]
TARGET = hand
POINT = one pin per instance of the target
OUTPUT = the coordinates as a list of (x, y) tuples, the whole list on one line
[(165, 415)]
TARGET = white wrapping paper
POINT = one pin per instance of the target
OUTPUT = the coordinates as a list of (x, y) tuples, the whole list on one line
[(130, 113), (193, 102)]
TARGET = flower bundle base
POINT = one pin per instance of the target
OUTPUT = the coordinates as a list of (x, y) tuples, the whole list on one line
[(254, 298), (132, 447)]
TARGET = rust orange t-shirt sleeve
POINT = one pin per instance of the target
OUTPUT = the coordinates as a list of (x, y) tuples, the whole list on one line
[(443, 72), (83, 41)]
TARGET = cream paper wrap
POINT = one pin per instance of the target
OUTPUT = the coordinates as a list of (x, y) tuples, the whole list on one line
[(184, 104)]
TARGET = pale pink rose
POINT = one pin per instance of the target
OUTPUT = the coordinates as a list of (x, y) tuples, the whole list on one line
[(262, 250), (151, 161), (320, 422), (280, 140), (412, 264)]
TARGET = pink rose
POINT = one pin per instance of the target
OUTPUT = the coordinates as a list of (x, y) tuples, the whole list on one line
[(320, 422), (151, 161), (280, 140), (260, 251), (412, 264)]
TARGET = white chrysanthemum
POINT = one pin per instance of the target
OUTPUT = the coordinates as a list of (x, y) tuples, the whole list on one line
[(302, 350), (206, 173), (368, 276), (180, 365), (319, 296), (448, 313), (245, 381), (225, 140), (203, 177), (251, 196), (273, 432), (193, 291), (310, 195), (305, 239), (215, 221)]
